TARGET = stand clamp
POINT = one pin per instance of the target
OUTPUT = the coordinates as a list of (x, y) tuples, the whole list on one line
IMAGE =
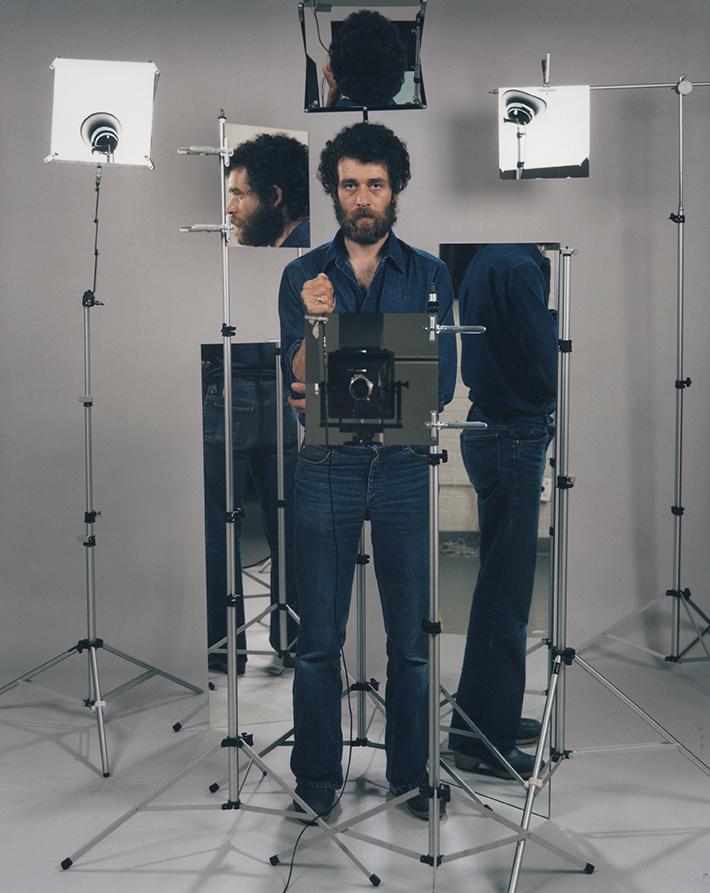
[(85, 644), (677, 218), (566, 655), (89, 299), (683, 383), (432, 627), (565, 481)]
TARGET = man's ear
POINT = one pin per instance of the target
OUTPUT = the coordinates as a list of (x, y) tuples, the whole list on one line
[(278, 196)]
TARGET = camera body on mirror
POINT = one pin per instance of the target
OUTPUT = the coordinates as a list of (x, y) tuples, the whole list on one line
[(361, 383)]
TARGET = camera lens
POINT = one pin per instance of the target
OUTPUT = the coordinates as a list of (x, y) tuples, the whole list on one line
[(360, 386)]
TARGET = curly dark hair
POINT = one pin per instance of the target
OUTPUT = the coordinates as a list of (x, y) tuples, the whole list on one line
[(368, 58), (368, 144), (275, 159)]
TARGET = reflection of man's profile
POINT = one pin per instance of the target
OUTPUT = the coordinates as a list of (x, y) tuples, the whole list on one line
[(268, 192), (367, 62)]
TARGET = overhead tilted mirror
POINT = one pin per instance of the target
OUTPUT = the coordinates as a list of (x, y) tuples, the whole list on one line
[(364, 56)]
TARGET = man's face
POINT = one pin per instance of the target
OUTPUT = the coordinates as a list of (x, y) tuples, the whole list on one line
[(365, 205), (256, 222)]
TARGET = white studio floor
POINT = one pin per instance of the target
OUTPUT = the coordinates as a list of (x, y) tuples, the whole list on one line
[(642, 816)]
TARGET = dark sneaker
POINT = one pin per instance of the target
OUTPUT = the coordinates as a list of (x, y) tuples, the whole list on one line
[(217, 663), (528, 732), (522, 762), (321, 801), (419, 805)]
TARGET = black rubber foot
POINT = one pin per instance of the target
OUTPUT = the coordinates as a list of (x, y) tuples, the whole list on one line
[(274, 861), (374, 880), (589, 868), (107, 775), (177, 727), (213, 788), (66, 863), (211, 686)]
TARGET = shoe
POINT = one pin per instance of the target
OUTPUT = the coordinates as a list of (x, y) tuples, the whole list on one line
[(289, 661), (528, 732), (217, 663), (418, 805), (321, 801), (522, 762)]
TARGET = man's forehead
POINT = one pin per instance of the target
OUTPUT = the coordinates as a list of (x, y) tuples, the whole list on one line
[(238, 178), (352, 169)]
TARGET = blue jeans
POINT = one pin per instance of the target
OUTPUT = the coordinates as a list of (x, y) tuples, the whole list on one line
[(505, 464), (254, 452), (336, 490)]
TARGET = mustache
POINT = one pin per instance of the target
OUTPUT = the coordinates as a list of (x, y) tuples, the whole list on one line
[(362, 213)]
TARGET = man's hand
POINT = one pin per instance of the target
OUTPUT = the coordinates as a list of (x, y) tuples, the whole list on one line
[(317, 295), (298, 405), (333, 89)]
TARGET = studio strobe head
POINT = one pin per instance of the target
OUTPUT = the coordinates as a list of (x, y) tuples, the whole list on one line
[(522, 107), (100, 131)]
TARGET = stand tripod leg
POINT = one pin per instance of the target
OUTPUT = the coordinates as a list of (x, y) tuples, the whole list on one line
[(47, 665), (97, 704), (534, 784), (154, 671), (646, 717)]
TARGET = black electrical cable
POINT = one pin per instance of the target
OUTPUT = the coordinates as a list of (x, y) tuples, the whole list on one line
[(320, 41)]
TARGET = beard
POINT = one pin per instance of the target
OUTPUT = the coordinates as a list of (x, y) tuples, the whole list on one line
[(261, 228), (366, 235)]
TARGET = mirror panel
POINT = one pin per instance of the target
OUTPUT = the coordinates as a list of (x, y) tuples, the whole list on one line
[(460, 540), (268, 197), (363, 58)]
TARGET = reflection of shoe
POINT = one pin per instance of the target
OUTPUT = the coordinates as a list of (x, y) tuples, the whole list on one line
[(522, 762), (321, 801), (528, 732), (217, 663), (419, 805)]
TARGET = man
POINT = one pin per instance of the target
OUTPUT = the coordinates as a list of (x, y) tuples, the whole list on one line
[(512, 376), (268, 190), (367, 62), (365, 269)]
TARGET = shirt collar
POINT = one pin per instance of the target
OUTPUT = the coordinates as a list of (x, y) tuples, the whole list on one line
[(391, 250)]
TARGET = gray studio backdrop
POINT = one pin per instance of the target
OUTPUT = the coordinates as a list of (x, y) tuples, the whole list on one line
[(162, 289)]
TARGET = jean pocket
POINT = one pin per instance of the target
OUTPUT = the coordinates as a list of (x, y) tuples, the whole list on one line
[(481, 458), (529, 432), (315, 454)]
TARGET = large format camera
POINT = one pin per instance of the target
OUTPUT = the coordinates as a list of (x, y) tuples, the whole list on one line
[(361, 383)]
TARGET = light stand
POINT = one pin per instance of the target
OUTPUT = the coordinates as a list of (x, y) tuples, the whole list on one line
[(96, 701), (681, 596), (236, 742), (561, 655)]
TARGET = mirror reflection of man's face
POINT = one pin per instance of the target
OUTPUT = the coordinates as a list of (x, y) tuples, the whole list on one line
[(256, 223), (365, 205)]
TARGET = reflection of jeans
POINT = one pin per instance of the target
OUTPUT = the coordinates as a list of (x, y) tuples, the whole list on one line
[(254, 451), (505, 463), (336, 489)]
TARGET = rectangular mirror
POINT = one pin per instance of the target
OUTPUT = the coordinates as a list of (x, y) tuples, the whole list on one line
[(543, 132), (363, 57), (267, 644), (460, 537), (268, 187)]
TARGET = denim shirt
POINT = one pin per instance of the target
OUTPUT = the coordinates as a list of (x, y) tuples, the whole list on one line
[(512, 369), (401, 284), (299, 237)]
